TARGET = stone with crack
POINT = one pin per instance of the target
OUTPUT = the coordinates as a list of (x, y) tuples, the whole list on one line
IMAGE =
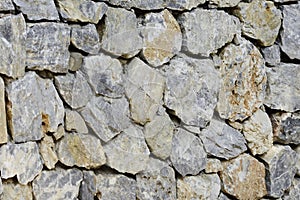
[(47, 151), (6, 5), (13, 190), (74, 122), (272, 55), (88, 185), (294, 191)]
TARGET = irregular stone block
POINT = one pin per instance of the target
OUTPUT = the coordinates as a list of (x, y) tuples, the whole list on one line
[(294, 191), (6, 5), (48, 51), (74, 122), (188, 155), (12, 190), (47, 151), (75, 61), (3, 129), (88, 186), (298, 160), (223, 3), (213, 166), (244, 177), (34, 108), (57, 184), (21, 160), (272, 55), (59, 133)]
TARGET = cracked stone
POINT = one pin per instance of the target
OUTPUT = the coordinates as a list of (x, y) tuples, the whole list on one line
[(47, 151), (272, 55), (6, 5), (12, 190), (74, 122), (294, 191), (88, 186)]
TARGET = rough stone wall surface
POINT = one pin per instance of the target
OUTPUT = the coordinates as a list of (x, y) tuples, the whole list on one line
[(149, 99)]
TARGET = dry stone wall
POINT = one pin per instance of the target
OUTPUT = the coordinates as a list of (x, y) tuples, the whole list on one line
[(149, 99)]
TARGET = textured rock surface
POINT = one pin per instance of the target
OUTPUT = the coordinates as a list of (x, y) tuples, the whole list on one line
[(224, 3), (298, 160), (6, 5), (3, 129), (47, 151), (74, 122), (272, 55), (88, 185), (75, 61), (244, 177), (294, 191), (12, 190), (213, 165)]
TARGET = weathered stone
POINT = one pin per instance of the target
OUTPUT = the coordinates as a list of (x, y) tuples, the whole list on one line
[(290, 40), (115, 186), (272, 55), (1, 186), (283, 87), (159, 134), (261, 20), (118, 31), (82, 150), (12, 190), (294, 191), (298, 160), (157, 181), (88, 185), (75, 61), (104, 74), (22, 160), (280, 165), (188, 155), (203, 186), (197, 40), (106, 117), (3, 126), (222, 141), (12, 45), (6, 5), (85, 38), (74, 122), (243, 81), (213, 165), (144, 88), (81, 10), (59, 133), (161, 36), (244, 177), (190, 93), (48, 51), (34, 108), (74, 89), (128, 152), (222, 196), (57, 184), (47, 151), (38, 9), (223, 3)]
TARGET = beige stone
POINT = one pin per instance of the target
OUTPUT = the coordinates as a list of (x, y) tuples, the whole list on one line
[(12, 190), (3, 125), (47, 151), (213, 165), (74, 122)]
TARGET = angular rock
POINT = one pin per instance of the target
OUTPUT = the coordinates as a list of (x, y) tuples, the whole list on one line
[(75, 61), (57, 184), (243, 81), (294, 191), (12, 45), (38, 9), (188, 155), (272, 55), (189, 92), (48, 51), (12, 190), (280, 165), (106, 117), (128, 152), (6, 5), (22, 160), (213, 166), (290, 40), (283, 87), (74, 122), (82, 150), (88, 185), (144, 88), (118, 31), (298, 160), (203, 186), (34, 108), (222, 141), (162, 37), (74, 89), (223, 3), (157, 181), (104, 74), (244, 177), (47, 151), (81, 10), (85, 38), (59, 133), (197, 40), (261, 20), (3, 129)]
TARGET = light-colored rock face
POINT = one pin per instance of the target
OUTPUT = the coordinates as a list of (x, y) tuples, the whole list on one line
[(3, 132), (272, 55), (12, 190), (243, 84), (74, 122), (75, 61), (6, 5), (162, 37), (12, 45), (59, 133), (47, 151), (298, 160), (223, 3), (88, 185), (57, 184), (37, 99), (203, 186), (213, 165), (261, 20), (294, 191), (197, 40)]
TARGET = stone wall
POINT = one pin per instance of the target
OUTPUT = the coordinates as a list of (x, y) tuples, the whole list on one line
[(149, 99)]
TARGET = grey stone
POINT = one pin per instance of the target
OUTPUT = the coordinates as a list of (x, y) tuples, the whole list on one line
[(290, 40), (38, 9), (223, 3), (85, 38), (82, 150), (74, 89), (3, 122), (283, 87), (57, 184), (294, 191), (128, 152), (272, 55), (21, 160), (188, 155), (118, 31), (106, 117), (203, 186), (59, 133), (281, 168), (298, 160), (47, 151), (12, 45), (34, 108), (213, 165), (88, 186), (48, 51), (81, 10), (222, 141), (75, 61), (12, 190), (74, 122), (6, 5), (104, 74), (190, 93), (1, 186), (197, 40)]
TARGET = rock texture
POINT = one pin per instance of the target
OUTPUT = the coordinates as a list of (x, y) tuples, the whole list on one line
[(12, 190), (272, 55), (223, 3), (6, 5), (88, 185), (74, 122), (3, 129), (47, 151)]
